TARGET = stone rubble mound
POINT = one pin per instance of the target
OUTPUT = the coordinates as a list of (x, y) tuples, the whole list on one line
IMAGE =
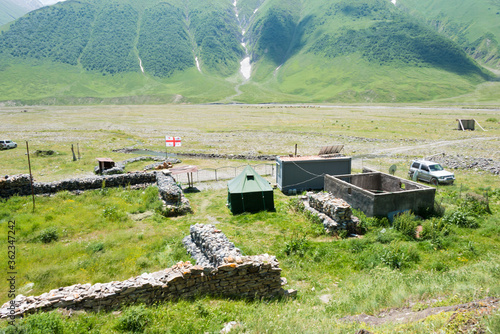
[(334, 213), (120, 166), (466, 162), (209, 246)]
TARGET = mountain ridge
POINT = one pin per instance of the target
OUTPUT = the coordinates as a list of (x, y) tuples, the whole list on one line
[(173, 44)]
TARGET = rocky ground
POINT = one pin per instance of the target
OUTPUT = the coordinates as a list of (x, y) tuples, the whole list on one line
[(467, 162), (464, 318)]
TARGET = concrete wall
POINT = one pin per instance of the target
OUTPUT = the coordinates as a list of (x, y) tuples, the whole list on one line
[(391, 193), (308, 174)]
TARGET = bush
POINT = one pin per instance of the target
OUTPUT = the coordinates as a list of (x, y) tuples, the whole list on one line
[(297, 245), (399, 256), (135, 319), (40, 323), (475, 205), (95, 247), (492, 120), (460, 219), (48, 235), (406, 223), (381, 222), (434, 230), (386, 236)]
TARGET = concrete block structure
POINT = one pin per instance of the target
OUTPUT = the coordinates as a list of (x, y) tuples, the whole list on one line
[(307, 173), (378, 194)]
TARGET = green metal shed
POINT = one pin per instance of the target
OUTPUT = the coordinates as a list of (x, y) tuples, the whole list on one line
[(249, 192)]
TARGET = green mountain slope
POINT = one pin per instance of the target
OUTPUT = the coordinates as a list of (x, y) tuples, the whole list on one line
[(152, 51), (362, 50), (473, 24)]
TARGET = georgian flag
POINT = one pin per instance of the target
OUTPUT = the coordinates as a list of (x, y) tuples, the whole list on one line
[(173, 141)]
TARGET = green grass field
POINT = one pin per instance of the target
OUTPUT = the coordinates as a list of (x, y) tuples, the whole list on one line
[(113, 234)]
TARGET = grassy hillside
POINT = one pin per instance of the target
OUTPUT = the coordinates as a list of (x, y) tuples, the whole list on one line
[(361, 51), (300, 50), (474, 25)]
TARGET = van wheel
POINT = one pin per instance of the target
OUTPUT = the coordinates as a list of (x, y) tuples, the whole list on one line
[(434, 181)]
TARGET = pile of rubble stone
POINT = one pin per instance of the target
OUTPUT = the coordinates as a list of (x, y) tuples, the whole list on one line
[(172, 195), (466, 162), (209, 246), (120, 166), (334, 213)]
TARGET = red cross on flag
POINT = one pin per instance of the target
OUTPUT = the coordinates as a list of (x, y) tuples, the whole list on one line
[(173, 141)]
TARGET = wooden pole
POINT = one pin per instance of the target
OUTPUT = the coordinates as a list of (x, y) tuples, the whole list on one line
[(479, 125), (295, 149), (73, 151), (461, 125), (31, 175), (78, 148)]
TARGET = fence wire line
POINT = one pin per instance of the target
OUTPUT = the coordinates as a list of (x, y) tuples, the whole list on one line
[(224, 173)]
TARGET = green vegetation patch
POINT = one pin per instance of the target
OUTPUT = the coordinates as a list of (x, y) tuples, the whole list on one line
[(400, 42), (164, 44), (111, 49), (59, 33)]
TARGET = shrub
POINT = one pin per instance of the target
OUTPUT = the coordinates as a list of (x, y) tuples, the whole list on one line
[(40, 323), (399, 256), (475, 205), (381, 222), (343, 234), (406, 224), (492, 120), (48, 235), (297, 245), (95, 247), (460, 219), (135, 319), (434, 228), (386, 236)]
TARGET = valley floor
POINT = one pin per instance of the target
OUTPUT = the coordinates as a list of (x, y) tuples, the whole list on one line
[(113, 234)]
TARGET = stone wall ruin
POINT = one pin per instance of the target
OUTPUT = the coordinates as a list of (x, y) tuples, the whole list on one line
[(242, 276), (172, 195)]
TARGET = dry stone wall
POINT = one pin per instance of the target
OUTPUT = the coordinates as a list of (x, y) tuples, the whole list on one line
[(334, 213), (172, 195), (20, 184), (243, 276)]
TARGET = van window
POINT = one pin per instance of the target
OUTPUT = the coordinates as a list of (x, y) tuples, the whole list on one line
[(425, 168), (415, 165)]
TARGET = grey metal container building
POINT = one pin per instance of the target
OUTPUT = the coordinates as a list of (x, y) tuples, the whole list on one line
[(305, 173)]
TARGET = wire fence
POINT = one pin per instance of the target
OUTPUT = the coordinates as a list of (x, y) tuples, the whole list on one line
[(225, 173)]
